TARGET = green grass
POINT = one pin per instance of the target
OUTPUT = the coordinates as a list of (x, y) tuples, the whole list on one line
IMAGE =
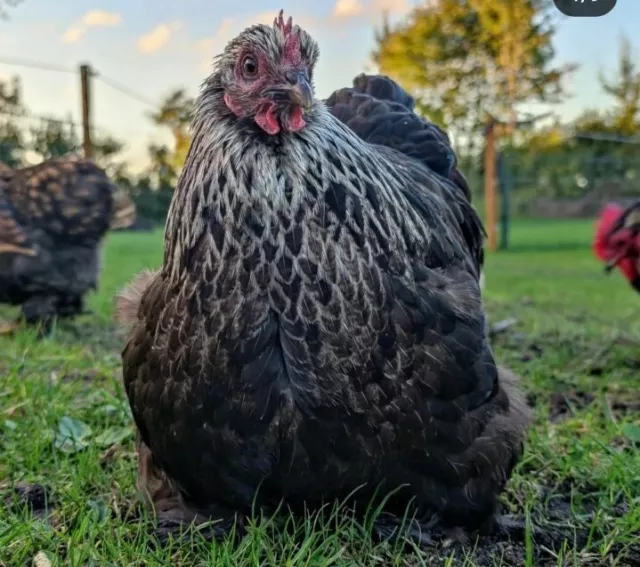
[(65, 424)]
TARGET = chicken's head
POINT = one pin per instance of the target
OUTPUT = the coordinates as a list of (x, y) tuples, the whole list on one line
[(617, 240), (266, 74)]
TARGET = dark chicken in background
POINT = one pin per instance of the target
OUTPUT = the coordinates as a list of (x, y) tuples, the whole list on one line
[(617, 240), (392, 126), (317, 324), (53, 217)]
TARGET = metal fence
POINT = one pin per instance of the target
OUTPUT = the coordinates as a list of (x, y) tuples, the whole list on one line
[(573, 181)]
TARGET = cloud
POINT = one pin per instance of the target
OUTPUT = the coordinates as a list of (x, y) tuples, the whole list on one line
[(158, 37), (391, 6), (209, 46), (227, 30), (92, 19), (348, 8), (351, 9), (230, 27)]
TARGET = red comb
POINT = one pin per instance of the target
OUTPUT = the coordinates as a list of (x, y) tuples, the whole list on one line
[(609, 216), (279, 23), (292, 40), (616, 245)]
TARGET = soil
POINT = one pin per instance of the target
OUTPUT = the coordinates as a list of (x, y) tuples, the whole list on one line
[(564, 405), (34, 497), (553, 527)]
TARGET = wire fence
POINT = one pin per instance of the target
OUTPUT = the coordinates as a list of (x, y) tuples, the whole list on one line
[(26, 121), (572, 183), (27, 137)]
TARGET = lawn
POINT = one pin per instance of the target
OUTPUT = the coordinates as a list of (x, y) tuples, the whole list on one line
[(67, 465)]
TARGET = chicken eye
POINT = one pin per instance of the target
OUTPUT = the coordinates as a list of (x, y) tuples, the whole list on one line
[(249, 66)]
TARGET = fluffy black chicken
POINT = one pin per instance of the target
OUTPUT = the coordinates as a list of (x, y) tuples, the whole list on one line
[(53, 217), (316, 326), (403, 131)]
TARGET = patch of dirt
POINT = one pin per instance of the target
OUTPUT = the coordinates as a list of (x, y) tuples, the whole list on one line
[(530, 352), (565, 404), (35, 497), (76, 376), (623, 445), (127, 509), (624, 407), (553, 521)]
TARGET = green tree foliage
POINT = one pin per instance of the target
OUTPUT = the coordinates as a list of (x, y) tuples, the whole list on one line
[(624, 88), (45, 136), (54, 138), (433, 54), (12, 137), (592, 158), (154, 190), (174, 113), (463, 59)]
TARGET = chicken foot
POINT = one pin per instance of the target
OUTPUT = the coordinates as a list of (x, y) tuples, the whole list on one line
[(43, 310), (174, 515), (40, 311), (422, 533)]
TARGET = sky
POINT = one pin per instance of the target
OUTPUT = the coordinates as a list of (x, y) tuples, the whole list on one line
[(155, 46)]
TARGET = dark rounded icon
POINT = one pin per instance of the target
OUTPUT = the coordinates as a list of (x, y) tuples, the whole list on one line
[(585, 8)]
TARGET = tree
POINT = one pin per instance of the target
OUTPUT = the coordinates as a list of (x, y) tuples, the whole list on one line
[(174, 113), (163, 171), (624, 88), (434, 54), (12, 139), (105, 150), (518, 38), (464, 59), (4, 4), (54, 138)]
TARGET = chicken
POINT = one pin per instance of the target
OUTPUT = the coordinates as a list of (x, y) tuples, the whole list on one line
[(617, 240), (316, 329), (53, 217)]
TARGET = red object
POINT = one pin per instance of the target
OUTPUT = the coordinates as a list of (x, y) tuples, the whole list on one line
[(615, 244)]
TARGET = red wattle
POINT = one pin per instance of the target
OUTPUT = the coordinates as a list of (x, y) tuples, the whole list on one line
[(295, 119), (267, 120)]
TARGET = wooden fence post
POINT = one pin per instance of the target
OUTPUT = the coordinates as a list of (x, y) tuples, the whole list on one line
[(85, 74)]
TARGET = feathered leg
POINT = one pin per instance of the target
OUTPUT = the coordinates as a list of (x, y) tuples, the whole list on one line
[(174, 514), (71, 306), (40, 311)]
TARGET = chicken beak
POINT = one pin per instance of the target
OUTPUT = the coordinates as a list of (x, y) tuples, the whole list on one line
[(299, 93)]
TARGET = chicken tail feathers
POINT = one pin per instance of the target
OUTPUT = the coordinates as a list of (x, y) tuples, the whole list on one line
[(383, 88)]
